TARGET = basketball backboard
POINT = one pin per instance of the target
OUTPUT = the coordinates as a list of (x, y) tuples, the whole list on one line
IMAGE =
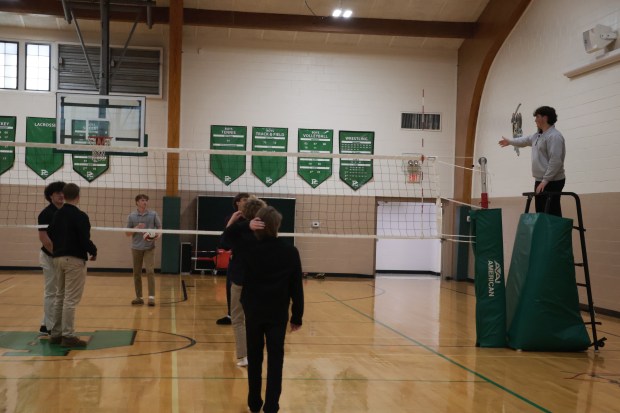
[(80, 116)]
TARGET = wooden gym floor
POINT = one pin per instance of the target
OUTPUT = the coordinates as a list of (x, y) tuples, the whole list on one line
[(393, 344)]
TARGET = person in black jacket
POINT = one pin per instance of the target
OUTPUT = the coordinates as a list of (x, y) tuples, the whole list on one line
[(241, 238), (53, 195), (238, 202), (70, 235), (273, 279)]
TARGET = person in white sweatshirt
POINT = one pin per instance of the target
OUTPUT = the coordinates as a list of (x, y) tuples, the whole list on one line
[(548, 153)]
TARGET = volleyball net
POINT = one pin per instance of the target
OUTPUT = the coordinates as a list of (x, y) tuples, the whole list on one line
[(336, 195)]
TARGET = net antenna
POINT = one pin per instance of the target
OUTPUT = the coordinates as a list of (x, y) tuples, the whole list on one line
[(413, 168), (484, 198), (100, 145)]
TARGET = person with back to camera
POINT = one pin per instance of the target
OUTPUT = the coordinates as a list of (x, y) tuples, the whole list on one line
[(241, 238), (70, 235), (53, 194), (548, 153), (238, 202), (273, 280), (143, 247)]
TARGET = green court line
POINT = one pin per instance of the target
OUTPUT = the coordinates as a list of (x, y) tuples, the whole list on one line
[(448, 359)]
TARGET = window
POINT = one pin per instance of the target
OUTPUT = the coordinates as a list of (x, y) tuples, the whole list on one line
[(37, 66), (8, 65)]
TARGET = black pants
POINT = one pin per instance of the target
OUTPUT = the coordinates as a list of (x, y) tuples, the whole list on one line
[(554, 208), (257, 332)]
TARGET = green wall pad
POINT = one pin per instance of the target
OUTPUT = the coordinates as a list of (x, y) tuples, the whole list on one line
[(171, 243), (486, 225), (541, 292)]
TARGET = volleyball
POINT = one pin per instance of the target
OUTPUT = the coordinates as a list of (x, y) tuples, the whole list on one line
[(149, 236)]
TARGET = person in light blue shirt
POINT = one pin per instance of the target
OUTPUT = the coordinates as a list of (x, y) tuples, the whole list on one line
[(548, 153), (143, 247)]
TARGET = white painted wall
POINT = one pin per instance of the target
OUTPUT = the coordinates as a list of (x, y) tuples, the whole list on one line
[(235, 81), (529, 69), (282, 83)]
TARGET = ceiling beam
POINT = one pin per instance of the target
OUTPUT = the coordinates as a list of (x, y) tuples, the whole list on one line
[(304, 23), (261, 21)]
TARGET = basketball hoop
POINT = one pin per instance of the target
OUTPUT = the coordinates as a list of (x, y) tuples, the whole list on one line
[(99, 144), (413, 169)]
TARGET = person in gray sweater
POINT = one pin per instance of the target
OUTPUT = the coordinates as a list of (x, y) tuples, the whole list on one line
[(548, 153)]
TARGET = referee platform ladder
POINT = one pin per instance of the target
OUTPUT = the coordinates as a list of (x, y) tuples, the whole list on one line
[(596, 342)]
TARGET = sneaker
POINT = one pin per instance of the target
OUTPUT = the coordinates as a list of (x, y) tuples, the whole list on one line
[(137, 301), (55, 339), (43, 331), (151, 301), (72, 342), (242, 362), (224, 320)]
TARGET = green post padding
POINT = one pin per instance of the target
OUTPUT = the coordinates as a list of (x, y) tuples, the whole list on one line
[(462, 248), (488, 246), (541, 292), (170, 245)]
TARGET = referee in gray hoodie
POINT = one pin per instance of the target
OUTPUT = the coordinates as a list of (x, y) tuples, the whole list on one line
[(548, 153)]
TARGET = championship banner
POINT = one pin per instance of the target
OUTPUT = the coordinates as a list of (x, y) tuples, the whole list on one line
[(356, 172), (7, 134), (227, 168), (315, 170), (43, 161), (269, 169), (84, 164)]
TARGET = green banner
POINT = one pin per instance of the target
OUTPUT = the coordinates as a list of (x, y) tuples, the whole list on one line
[(83, 162), (7, 134), (315, 170), (228, 168), (356, 172), (43, 161), (269, 169)]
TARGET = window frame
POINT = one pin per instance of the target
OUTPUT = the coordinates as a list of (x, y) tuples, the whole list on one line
[(16, 65), (49, 68)]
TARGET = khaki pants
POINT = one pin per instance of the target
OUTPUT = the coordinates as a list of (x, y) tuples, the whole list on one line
[(70, 280), (49, 291), (238, 320), (145, 257)]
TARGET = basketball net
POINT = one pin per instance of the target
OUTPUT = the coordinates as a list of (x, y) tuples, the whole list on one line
[(413, 169), (99, 144)]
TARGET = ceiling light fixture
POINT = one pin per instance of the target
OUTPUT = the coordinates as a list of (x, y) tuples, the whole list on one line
[(345, 14)]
